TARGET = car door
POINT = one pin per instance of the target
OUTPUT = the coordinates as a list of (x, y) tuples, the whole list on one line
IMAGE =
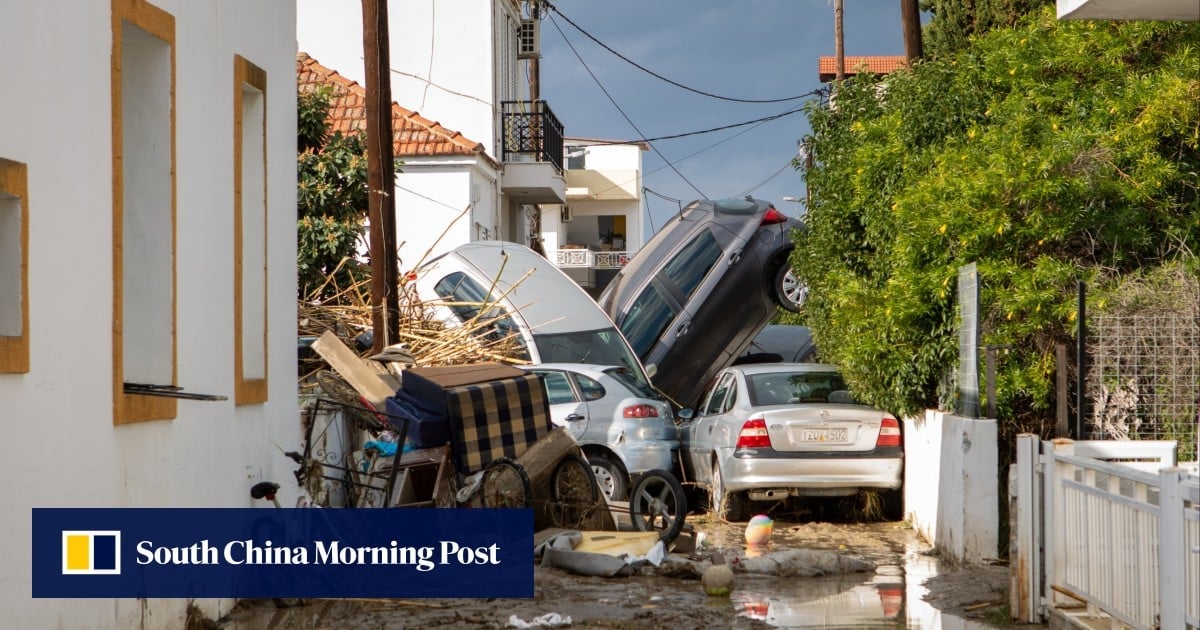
[(702, 431), (567, 407)]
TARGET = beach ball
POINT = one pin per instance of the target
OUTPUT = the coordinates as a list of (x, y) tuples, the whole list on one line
[(758, 530)]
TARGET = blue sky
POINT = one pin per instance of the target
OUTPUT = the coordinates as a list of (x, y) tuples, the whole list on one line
[(754, 49)]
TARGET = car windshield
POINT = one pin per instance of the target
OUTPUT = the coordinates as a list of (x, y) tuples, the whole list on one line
[(782, 388), (630, 380), (597, 347)]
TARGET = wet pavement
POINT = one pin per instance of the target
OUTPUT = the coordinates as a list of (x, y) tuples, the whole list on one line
[(892, 596)]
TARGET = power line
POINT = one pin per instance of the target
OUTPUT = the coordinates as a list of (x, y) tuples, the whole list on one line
[(660, 77), (641, 135)]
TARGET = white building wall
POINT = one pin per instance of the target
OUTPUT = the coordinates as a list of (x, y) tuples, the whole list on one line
[(62, 448), (440, 54), (951, 489), (432, 197)]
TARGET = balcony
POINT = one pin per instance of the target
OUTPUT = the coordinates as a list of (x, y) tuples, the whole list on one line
[(586, 258), (532, 152)]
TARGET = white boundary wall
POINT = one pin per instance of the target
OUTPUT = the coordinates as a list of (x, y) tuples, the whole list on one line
[(950, 484)]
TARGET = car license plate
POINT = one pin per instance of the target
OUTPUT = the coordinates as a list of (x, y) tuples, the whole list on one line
[(823, 435)]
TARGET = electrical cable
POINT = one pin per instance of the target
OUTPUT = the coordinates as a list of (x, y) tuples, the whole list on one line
[(662, 78), (614, 102), (767, 180)]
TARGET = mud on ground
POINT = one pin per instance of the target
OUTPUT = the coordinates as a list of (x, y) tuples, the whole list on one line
[(979, 593)]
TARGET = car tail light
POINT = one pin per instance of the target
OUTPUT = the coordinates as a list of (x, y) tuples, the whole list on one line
[(754, 434), (773, 216), (889, 433), (640, 411)]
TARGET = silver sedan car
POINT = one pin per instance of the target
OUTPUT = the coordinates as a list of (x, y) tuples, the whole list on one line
[(624, 427), (766, 432)]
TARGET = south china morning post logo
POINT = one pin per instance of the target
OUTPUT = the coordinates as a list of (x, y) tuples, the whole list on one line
[(256, 553), (91, 552)]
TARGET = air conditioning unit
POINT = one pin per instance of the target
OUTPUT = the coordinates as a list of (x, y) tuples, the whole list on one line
[(565, 215), (529, 45)]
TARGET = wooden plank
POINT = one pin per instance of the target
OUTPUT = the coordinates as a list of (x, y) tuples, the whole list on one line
[(364, 379)]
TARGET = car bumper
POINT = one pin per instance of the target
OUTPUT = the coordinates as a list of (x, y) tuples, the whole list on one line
[(812, 475), (640, 457)]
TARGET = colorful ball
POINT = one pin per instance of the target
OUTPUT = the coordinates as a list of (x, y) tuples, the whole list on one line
[(758, 530)]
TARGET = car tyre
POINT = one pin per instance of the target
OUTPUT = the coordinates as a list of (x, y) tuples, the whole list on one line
[(658, 503), (790, 293), (610, 476), (730, 506)]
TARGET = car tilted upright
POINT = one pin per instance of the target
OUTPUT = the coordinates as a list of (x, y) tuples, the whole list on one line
[(693, 298)]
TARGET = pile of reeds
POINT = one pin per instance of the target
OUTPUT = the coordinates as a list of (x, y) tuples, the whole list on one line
[(346, 311)]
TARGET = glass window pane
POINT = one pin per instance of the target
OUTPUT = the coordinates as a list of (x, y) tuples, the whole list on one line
[(558, 388), (648, 317), (692, 263), (591, 389)]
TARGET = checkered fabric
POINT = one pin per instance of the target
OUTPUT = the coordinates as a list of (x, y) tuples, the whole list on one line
[(500, 418)]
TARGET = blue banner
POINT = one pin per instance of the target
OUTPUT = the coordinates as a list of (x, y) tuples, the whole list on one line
[(266, 553)]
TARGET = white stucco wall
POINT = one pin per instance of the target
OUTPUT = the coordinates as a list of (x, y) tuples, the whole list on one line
[(950, 484), (431, 196), (440, 54), (61, 446)]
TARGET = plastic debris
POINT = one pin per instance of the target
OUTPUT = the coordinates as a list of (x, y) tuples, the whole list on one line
[(546, 620)]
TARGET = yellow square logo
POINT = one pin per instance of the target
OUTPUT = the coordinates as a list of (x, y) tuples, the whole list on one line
[(91, 552)]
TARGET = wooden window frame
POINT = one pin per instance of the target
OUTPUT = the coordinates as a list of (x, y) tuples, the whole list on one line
[(129, 408), (14, 349), (247, 390)]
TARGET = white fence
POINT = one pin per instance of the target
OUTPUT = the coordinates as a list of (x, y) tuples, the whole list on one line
[(1109, 527)]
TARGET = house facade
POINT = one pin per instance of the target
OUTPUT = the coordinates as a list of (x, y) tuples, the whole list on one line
[(461, 67), (599, 228), (147, 269), (447, 190)]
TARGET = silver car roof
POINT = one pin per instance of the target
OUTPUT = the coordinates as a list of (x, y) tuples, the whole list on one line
[(770, 368)]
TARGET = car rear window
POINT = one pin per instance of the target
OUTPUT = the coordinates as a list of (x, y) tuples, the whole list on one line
[(781, 388), (693, 262), (596, 347), (630, 381)]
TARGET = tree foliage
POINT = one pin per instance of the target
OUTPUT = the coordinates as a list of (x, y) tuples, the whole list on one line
[(1045, 152), (331, 198), (957, 21)]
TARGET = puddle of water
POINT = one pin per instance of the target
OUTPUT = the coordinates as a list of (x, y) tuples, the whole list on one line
[(892, 597)]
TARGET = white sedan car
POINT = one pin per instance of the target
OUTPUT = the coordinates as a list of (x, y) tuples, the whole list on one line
[(766, 432)]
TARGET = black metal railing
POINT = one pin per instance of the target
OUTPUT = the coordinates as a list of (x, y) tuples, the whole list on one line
[(531, 129)]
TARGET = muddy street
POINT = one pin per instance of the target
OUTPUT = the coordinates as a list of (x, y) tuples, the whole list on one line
[(909, 587)]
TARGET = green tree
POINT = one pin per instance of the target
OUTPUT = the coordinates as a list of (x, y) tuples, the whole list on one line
[(331, 199), (957, 21), (1045, 152)]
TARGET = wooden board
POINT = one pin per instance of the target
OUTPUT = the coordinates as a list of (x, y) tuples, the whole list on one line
[(361, 376)]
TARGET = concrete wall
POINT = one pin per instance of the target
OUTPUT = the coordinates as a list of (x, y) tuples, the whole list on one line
[(431, 196), (950, 484), (440, 54), (61, 447)]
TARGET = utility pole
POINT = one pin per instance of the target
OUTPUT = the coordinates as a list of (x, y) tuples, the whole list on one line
[(910, 16), (838, 41), (381, 178), (535, 221)]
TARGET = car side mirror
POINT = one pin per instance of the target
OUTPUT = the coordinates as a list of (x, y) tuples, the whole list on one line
[(686, 414)]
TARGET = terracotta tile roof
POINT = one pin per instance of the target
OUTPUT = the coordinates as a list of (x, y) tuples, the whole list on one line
[(827, 65), (412, 134)]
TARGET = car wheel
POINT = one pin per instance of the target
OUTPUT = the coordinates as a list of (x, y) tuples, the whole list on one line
[(790, 293), (610, 476), (730, 506), (658, 504)]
